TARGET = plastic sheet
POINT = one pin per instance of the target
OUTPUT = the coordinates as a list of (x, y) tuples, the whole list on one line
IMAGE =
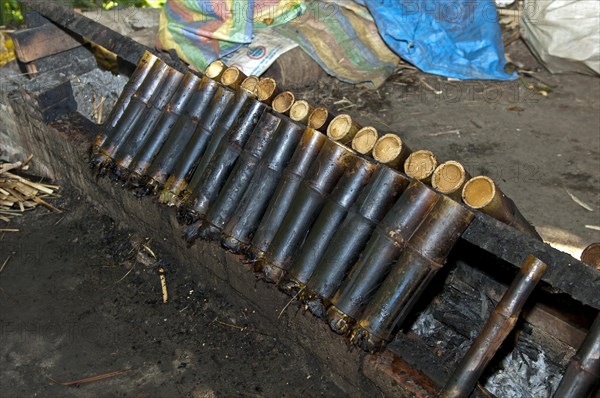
[(454, 38), (563, 34)]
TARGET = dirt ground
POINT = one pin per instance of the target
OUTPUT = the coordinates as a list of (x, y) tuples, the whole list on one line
[(73, 305), (80, 297)]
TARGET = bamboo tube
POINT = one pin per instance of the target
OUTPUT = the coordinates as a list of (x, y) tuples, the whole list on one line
[(133, 84), (249, 84), (449, 179), (334, 211), (391, 150), (283, 102), (481, 193), (364, 140), (266, 90), (497, 328), (583, 371), (165, 127), (420, 165), (375, 201), (145, 125), (300, 111), (387, 242), (237, 181), (320, 118), (279, 179), (342, 129), (188, 139), (591, 255), (140, 101), (218, 168), (233, 77), (321, 179), (215, 70), (226, 109)]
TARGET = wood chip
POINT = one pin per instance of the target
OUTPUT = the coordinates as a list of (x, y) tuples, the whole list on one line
[(579, 201)]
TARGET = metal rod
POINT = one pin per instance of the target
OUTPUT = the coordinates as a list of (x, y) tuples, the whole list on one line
[(501, 322), (375, 201), (425, 254), (284, 159), (387, 242), (323, 176)]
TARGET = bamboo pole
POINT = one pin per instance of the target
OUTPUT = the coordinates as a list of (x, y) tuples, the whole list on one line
[(391, 150), (364, 140), (420, 165)]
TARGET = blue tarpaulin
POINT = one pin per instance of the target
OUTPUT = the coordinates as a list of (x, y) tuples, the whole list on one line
[(454, 38)]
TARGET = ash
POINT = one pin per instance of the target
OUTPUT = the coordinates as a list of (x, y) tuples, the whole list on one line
[(91, 87)]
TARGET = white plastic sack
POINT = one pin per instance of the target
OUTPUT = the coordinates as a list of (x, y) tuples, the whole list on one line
[(563, 34)]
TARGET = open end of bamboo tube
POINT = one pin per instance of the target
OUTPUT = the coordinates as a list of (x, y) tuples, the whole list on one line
[(478, 192), (365, 140), (318, 117), (342, 128), (265, 89), (591, 255), (387, 148), (283, 102), (300, 111), (215, 70), (420, 165), (249, 84), (232, 77), (449, 177)]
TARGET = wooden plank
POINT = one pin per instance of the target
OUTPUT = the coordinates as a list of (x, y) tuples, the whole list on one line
[(565, 274), (123, 46), (35, 43)]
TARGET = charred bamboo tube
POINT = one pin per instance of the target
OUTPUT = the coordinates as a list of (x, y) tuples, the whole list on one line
[(497, 328), (323, 176), (583, 371), (387, 242), (164, 128), (286, 161), (133, 84), (391, 150), (250, 84), (238, 180), (591, 255), (449, 179), (215, 174), (283, 102), (481, 193), (145, 125), (266, 90), (336, 207), (343, 129), (215, 70), (420, 165), (188, 138), (233, 77), (375, 201), (300, 111), (409, 277), (224, 109), (320, 118), (364, 140), (140, 101)]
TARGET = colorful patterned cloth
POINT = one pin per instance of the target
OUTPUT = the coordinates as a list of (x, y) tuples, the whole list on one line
[(339, 35)]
